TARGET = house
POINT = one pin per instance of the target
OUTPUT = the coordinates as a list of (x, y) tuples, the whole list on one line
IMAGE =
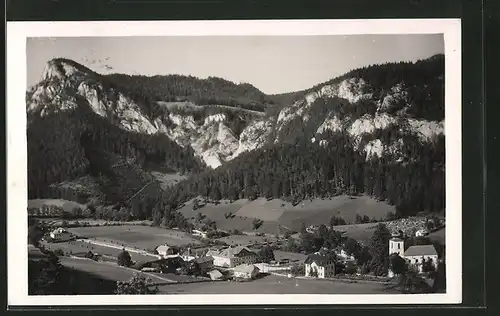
[(166, 250), (199, 233), (215, 275), (416, 256), (61, 234), (312, 229), (343, 255), (231, 257), (191, 254), (319, 265), (421, 233), (204, 263), (246, 271)]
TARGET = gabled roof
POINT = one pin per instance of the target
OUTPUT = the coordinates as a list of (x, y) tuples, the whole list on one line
[(319, 259), (215, 274), (421, 250), (229, 252), (245, 268)]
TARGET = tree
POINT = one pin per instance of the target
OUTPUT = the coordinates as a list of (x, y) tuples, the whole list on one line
[(266, 254), (124, 258), (379, 250), (397, 264), (35, 233), (428, 266), (256, 223), (352, 247), (138, 284)]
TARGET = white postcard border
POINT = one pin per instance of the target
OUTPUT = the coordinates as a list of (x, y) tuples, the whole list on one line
[(17, 32)]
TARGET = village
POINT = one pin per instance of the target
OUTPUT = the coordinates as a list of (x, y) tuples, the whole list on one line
[(209, 260)]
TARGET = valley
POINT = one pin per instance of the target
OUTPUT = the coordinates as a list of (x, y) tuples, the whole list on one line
[(127, 165)]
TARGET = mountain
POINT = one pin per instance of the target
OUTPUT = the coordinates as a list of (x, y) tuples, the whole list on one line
[(377, 130)]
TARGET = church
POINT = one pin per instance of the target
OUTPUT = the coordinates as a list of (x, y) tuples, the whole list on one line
[(415, 256)]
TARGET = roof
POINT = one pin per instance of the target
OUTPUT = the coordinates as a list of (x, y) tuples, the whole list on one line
[(396, 239), (163, 247), (204, 259), (319, 259), (215, 274), (421, 250), (245, 268), (229, 252)]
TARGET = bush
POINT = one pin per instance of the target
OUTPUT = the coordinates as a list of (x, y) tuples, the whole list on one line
[(124, 259)]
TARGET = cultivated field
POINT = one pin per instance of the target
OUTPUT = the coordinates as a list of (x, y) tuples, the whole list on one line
[(105, 271), (273, 284), (141, 237)]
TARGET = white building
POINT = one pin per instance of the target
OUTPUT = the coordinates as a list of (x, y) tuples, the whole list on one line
[(319, 265), (421, 233), (166, 251), (231, 257), (415, 256), (419, 255), (61, 234)]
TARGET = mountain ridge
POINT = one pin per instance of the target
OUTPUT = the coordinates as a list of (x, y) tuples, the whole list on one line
[(390, 113)]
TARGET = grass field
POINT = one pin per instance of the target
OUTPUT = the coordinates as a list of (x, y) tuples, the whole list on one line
[(167, 179), (273, 284), (78, 247), (279, 215), (141, 237), (105, 270)]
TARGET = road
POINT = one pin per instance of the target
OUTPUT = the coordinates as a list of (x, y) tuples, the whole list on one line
[(103, 244)]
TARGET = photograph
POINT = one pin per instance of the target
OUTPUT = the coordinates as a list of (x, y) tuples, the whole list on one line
[(204, 164)]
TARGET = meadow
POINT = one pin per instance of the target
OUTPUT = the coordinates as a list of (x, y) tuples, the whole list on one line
[(136, 236), (273, 284)]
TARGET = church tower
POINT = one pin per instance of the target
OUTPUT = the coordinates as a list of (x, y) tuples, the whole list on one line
[(396, 245)]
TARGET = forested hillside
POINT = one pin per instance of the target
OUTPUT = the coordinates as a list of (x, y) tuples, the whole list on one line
[(377, 130), (208, 91), (71, 144), (306, 170)]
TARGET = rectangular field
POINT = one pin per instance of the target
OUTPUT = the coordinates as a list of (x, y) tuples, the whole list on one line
[(102, 270), (141, 237), (80, 247), (273, 284)]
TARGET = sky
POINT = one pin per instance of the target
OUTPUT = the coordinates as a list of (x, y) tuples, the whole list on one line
[(273, 64)]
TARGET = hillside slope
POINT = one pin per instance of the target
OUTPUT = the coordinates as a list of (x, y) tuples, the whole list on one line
[(378, 131)]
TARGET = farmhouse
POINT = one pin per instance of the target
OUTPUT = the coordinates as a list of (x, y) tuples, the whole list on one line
[(191, 254), (166, 251), (61, 234), (199, 233), (204, 263), (246, 271), (343, 255), (231, 257), (319, 265)]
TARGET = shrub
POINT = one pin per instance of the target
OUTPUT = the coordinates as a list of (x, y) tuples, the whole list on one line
[(124, 259)]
